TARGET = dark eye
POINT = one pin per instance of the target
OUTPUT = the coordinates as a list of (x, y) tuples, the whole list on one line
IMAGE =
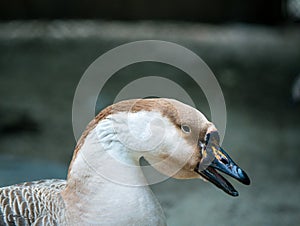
[(185, 129)]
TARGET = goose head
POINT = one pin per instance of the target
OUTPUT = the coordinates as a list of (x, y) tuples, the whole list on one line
[(176, 139)]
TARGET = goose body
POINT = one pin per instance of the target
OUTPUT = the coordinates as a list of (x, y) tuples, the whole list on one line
[(32, 203), (105, 183)]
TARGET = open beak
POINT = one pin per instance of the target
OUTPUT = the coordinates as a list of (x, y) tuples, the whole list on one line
[(222, 162)]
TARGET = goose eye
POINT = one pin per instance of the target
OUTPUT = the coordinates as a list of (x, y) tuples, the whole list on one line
[(185, 128)]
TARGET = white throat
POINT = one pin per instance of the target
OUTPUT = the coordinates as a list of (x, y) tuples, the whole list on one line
[(109, 163)]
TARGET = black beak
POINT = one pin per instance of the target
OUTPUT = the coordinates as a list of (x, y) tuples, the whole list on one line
[(221, 161)]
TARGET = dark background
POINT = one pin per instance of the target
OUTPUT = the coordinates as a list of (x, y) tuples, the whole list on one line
[(271, 12)]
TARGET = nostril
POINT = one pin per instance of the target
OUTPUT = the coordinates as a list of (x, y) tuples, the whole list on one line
[(224, 161)]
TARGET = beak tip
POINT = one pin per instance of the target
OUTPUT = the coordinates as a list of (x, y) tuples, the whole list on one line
[(244, 178), (247, 182), (235, 194)]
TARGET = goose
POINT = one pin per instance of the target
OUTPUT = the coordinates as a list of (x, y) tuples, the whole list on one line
[(106, 185)]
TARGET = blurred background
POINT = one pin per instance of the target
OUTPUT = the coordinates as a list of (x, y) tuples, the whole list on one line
[(253, 48)]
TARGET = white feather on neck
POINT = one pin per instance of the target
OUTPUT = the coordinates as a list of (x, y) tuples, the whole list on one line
[(107, 166)]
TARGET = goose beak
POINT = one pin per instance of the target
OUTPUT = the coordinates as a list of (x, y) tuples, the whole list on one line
[(222, 162)]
